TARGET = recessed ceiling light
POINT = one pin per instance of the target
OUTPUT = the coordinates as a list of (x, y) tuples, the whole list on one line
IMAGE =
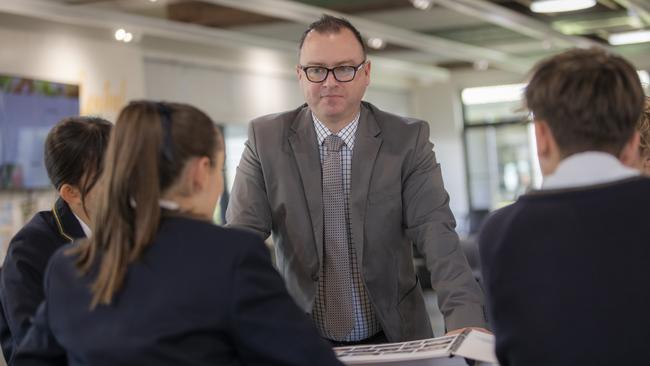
[(558, 6), (376, 43), (481, 65), (123, 36), (422, 4), (618, 39), (120, 34)]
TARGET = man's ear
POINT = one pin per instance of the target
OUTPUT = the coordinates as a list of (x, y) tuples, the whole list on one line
[(630, 154), (70, 194), (299, 72)]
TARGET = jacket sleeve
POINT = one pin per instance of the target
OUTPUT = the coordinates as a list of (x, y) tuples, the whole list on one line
[(267, 327), (431, 226), (39, 346), (22, 281), (248, 207)]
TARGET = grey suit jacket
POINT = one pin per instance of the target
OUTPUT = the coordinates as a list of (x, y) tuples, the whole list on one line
[(396, 198)]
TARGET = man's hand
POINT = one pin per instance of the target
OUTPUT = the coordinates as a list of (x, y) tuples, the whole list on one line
[(456, 331)]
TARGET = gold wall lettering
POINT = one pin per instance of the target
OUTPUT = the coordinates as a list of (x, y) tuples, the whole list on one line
[(105, 102)]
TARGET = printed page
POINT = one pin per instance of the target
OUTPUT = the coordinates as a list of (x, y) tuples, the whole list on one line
[(417, 353), (477, 346)]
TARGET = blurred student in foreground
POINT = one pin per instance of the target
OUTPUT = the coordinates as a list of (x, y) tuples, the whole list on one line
[(74, 150), (566, 267), (158, 283)]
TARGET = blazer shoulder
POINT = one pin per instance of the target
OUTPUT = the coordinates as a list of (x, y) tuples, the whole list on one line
[(207, 232), (275, 120), (391, 119), (38, 235)]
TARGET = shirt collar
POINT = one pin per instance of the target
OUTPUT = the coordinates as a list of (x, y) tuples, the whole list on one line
[(347, 134), (587, 168), (84, 227)]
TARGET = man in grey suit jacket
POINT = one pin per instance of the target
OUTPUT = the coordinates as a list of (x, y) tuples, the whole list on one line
[(393, 196)]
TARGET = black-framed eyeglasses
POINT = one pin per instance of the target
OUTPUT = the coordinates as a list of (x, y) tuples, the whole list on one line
[(343, 73)]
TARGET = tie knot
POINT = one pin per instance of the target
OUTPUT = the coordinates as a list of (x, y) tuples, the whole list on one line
[(333, 143)]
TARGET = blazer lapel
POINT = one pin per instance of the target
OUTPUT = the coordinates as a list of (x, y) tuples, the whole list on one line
[(302, 139), (68, 225), (366, 147)]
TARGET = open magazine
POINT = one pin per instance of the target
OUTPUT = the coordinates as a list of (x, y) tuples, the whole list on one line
[(470, 344)]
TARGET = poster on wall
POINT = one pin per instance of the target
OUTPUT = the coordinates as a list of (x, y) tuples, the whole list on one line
[(28, 110)]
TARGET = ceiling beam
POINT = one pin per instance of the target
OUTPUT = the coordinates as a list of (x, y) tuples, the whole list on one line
[(88, 16), (517, 22), (306, 14), (92, 17), (640, 7)]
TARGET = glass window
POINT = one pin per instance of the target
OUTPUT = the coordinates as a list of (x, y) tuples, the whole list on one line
[(499, 146)]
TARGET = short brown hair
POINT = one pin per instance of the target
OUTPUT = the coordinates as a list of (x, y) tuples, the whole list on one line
[(590, 99), (644, 130), (327, 24)]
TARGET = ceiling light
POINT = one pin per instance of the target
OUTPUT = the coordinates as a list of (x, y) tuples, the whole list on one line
[(120, 34), (629, 37), (481, 65), (422, 4), (558, 6), (493, 94), (376, 43), (123, 36)]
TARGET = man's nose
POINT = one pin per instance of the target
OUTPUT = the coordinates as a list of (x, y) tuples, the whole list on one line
[(330, 80)]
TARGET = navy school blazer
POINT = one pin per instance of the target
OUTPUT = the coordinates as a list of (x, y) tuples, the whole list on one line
[(200, 295), (21, 280)]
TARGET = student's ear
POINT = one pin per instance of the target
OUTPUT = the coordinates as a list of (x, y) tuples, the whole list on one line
[(70, 194), (201, 169), (630, 154), (542, 134), (548, 152)]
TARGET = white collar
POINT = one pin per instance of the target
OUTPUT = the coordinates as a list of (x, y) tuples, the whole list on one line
[(587, 168), (347, 133), (84, 227), (168, 204)]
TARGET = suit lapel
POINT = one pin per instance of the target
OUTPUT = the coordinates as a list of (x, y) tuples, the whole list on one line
[(366, 147), (302, 139)]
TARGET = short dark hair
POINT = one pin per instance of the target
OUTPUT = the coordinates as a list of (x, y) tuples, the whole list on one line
[(590, 99), (328, 24), (74, 151)]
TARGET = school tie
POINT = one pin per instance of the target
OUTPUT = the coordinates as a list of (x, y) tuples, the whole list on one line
[(339, 317)]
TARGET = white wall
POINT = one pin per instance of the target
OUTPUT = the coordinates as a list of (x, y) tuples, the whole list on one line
[(108, 72), (232, 95)]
